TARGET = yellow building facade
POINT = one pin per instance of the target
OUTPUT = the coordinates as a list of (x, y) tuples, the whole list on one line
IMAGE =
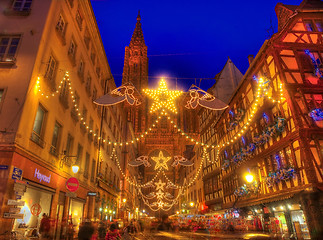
[(52, 66)]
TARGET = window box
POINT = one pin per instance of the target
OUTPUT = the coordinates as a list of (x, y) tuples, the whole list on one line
[(53, 150), (37, 139), (12, 12)]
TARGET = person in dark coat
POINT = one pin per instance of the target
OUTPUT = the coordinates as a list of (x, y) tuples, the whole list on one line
[(165, 224), (86, 231)]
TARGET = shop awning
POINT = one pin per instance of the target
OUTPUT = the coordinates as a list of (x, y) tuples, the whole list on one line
[(253, 202)]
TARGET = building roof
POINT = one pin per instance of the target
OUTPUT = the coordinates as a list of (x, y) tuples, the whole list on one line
[(137, 38)]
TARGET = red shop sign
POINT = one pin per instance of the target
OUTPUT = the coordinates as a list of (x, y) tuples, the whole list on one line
[(72, 184)]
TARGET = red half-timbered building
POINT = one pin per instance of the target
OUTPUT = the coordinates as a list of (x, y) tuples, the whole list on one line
[(274, 134)]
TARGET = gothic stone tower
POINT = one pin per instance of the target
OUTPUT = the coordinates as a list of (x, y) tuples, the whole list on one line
[(135, 71)]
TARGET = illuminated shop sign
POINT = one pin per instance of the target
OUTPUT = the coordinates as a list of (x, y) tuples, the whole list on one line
[(41, 177)]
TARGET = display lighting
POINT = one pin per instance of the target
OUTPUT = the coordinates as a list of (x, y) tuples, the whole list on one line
[(161, 161), (204, 156), (163, 98), (170, 96), (113, 155)]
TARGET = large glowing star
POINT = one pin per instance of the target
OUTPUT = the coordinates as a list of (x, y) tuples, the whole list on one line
[(163, 98), (161, 161)]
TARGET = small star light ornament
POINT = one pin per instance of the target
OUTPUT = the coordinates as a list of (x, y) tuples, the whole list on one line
[(163, 98), (160, 185), (161, 161)]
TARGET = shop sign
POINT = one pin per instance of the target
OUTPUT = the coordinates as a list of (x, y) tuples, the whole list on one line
[(13, 215), (72, 184), (14, 210), (4, 167), (19, 187), (35, 209), (42, 177), (16, 173), (71, 194), (92, 193), (15, 202)]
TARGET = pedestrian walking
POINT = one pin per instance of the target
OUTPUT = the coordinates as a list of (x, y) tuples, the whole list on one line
[(86, 231), (44, 227), (113, 233)]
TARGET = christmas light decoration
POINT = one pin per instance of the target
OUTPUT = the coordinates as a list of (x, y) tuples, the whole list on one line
[(201, 98), (126, 92), (161, 161), (160, 185), (163, 98), (142, 160)]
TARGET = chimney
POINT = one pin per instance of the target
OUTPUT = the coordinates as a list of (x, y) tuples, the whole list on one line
[(250, 59)]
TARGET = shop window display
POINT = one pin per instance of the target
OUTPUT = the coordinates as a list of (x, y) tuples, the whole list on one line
[(75, 214), (37, 202)]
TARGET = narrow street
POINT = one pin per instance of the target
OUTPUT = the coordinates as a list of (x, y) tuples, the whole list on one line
[(197, 236)]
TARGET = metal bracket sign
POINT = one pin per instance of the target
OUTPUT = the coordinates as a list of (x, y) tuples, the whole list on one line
[(13, 215), (13, 202), (71, 194), (16, 173), (4, 167)]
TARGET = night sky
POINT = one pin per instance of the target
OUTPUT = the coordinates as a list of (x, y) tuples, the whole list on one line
[(186, 39)]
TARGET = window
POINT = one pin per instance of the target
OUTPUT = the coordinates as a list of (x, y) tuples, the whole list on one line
[(1, 94), (76, 104), (94, 95), (38, 127), (61, 26), (79, 154), (308, 25), (72, 49), (98, 72), (55, 139), (21, 5), (71, 3), (87, 38), (93, 56), (84, 114), (93, 170), (80, 70), (79, 19), (88, 84), (63, 95), (87, 165), (51, 68), (69, 145), (8, 47), (319, 25)]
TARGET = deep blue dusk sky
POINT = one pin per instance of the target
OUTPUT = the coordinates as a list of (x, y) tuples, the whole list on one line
[(185, 38)]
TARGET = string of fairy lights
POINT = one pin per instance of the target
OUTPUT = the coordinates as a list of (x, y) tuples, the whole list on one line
[(164, 99)]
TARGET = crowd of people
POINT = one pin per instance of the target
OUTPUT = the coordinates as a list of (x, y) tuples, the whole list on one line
[(109, 230)]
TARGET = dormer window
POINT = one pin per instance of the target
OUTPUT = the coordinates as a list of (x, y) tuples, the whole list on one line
[(21, 5), (309, 26)]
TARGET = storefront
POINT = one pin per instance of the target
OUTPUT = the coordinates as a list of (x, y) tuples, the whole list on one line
[(38, 201), (43, 191)]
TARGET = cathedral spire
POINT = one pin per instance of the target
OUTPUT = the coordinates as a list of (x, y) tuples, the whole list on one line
[(137, 38)]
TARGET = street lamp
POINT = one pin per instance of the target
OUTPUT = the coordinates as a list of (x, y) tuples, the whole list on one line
[(249, 178), (124, 200), (75, 168), (191, 204)]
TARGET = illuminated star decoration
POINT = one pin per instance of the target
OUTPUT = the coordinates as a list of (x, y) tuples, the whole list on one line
[(160, 185), (161, 161), (163, 98), (160, 194)]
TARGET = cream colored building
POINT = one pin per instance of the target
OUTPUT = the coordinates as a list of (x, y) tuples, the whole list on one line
[(52, 66)]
